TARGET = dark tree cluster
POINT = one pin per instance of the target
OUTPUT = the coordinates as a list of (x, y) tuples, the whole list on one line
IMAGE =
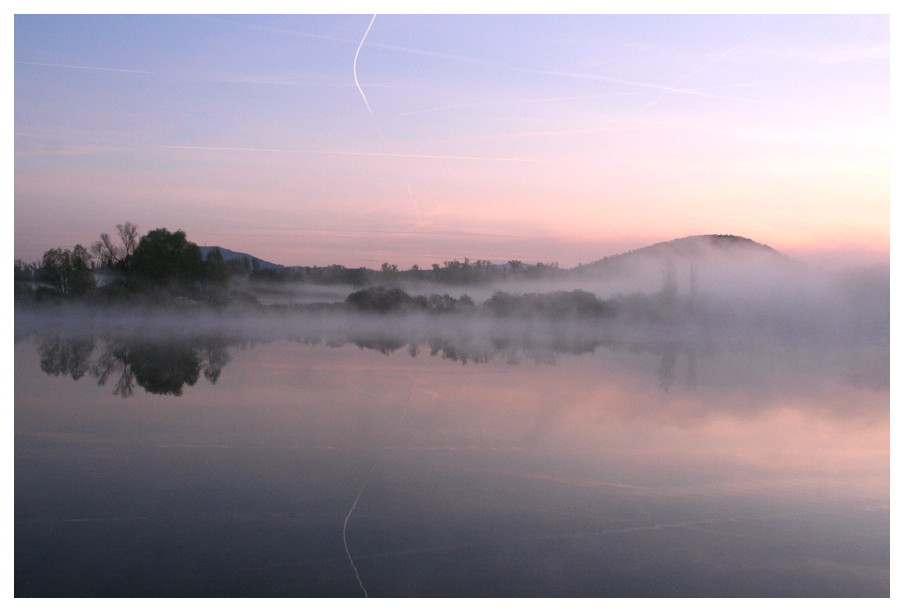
[(67, 272), (463, 272), (452, 272), (157, 266), (555, 305), (482, 271), (163, 257), (162, 265), (382, 300)]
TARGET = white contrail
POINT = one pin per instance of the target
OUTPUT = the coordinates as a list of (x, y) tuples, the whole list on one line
[(345, 542), (358, 85), (419, 218)]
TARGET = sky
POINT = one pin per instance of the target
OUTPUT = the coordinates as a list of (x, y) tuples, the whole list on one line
[(416, 139)]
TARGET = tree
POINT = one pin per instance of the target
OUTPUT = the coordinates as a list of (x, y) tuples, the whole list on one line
[(162, 257), (24, 272), (128, 234), (379, 299), (68, 272), (107, 253), (111, 255), (516, 267), (216, 270)]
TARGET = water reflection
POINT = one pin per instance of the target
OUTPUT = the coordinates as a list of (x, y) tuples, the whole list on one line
[(594, 467), (163, 367), (168, 364), (70, 357)]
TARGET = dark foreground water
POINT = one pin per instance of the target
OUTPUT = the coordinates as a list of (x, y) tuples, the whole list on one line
[(397, 467)]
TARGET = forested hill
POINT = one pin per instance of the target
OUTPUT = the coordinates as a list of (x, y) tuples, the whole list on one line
[(689, 248)]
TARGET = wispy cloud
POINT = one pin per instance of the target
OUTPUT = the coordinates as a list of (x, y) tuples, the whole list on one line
[(485, 104), (825, 54), (544, 133), (436, 54), (392, 232), (71, 151), (491, 63), (262, 80), (101, 68), (714, 60), (355, 153), (647, 85), (376, 45), (574, 75), (700, 92)]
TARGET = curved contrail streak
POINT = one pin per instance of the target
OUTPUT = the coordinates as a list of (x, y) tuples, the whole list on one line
[(358, 85), (345, 542)]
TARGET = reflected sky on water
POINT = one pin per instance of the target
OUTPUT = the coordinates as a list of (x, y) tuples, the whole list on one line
[(505, 468)]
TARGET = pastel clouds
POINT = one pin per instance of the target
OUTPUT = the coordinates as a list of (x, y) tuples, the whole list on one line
[(478, 133)]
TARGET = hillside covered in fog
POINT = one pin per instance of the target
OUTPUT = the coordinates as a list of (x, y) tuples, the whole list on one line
[(710, 284)]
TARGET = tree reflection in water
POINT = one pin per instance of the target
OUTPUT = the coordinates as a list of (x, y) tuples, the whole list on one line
[(159, 367), (165, 366), (66, 357)]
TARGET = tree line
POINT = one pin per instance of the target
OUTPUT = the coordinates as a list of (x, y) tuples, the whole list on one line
[(553, 305), (165, 264), (159, 263), (450, 272)]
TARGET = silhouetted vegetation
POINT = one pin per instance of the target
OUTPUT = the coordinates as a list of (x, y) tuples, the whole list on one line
[(381, 299), (111, 255), (67, 272), (452, 272), (164, 257), (157, 268), (556, 305), (165, 267)]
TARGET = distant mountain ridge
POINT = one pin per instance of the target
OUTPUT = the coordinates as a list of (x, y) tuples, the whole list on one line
[(229, 255), (689, 247)]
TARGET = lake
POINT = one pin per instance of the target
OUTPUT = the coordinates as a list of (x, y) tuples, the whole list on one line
[(399, 463)]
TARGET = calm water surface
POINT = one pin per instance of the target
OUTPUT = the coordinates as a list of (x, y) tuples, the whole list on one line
[(210, 467)]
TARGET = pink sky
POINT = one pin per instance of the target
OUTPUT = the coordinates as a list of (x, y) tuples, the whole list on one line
[(540, 138)]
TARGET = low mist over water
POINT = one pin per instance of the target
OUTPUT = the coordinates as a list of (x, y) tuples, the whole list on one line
[(707, 423), (212, 468)]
